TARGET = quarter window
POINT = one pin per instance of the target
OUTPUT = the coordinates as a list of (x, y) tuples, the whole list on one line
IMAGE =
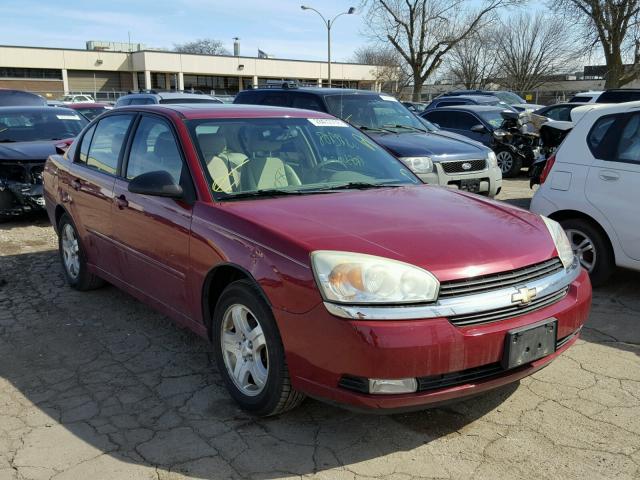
[(107, 143), (84, 146), (600, 137), (629, 144), (154, 148)]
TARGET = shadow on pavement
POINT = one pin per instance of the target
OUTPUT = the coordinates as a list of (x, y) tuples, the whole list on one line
[(98, 377)]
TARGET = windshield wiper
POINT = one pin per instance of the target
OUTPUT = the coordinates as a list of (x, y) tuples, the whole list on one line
[(358, 186), (406, 127), (374, 129), (271, 192)]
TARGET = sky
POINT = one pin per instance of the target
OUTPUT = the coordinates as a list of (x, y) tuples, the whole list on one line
[(278, 27)]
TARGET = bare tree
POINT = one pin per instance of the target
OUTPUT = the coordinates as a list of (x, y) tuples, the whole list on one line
[(203, 46), (530, 50), (614, 26), (424, 31), (390, 70), (473, 61)]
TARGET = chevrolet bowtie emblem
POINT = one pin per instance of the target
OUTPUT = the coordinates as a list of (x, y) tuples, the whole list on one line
[(524, 295)]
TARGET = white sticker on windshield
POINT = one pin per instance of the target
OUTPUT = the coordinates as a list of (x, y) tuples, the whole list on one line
[(68, 117), (388, 98), (327, 122)]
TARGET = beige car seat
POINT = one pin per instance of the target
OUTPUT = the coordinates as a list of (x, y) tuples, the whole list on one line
[(222, 164), (263, 170)]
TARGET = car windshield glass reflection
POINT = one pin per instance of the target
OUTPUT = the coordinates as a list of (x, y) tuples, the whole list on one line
[(268, 157), (373, 112), (29, 126), (492, 117)]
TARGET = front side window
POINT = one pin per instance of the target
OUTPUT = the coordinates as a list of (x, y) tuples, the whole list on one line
[(373, 112), (306, 102), (154, 148), (295, 155), (108, 142), (30, 125), (444, 118), (464, 121)]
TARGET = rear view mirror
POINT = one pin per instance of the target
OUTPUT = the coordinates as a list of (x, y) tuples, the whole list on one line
[(478, 128), (157, 184)]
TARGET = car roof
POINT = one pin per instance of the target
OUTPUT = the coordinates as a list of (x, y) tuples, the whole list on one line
[(471, 108), (73, 106), (166, 95), (477, 98), (315, 90), (191, 111), (35, 108)]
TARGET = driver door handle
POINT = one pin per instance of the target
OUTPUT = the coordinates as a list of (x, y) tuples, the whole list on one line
[(609, 176), (121, 202)]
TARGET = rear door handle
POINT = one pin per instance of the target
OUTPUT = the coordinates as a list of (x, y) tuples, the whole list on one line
[(76, 184), (609, 176), (121, 202)]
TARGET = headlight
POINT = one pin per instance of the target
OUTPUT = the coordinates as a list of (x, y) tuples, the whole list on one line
[(355, 278), (563, 246), (418, 164), (492, 160)]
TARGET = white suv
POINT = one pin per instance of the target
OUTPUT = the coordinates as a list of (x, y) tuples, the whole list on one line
[(592, 187)]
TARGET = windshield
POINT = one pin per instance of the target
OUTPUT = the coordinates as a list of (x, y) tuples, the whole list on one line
[(509, 97), (45, 124), (291, 155), (373, 111), (492, 117)]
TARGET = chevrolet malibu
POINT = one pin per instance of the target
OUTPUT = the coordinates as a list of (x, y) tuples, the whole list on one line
[(315, 262)]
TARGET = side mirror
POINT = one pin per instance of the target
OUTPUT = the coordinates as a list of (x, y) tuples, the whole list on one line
[(478, 128), (156, 184)]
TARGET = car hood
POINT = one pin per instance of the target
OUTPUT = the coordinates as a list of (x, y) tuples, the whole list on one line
[(452, 234), (432, 144), (28, 150)]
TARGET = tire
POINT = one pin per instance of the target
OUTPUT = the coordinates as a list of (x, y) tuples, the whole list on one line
[(268, 393), (510, 164), (598, 259), (75, 272)]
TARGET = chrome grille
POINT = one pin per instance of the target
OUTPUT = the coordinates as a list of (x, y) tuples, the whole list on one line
[(508, 312), (457, 167), (487, 283)]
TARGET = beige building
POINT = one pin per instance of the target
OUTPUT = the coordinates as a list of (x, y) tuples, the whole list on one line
[(53, 72)]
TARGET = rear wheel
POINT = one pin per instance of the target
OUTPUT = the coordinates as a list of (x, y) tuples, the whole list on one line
[(249, 352), (72, 256), (510, 164), (591, 247)]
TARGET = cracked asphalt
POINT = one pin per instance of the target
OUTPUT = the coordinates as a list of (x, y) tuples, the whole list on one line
[(98, 386)]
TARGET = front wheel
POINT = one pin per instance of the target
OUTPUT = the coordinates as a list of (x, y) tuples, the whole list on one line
[(509, 163), (249, 352), (592, 249)]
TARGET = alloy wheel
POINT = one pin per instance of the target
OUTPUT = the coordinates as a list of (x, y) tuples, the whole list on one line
[(244, 350), (505, 161), (583, 248), (70, 251)]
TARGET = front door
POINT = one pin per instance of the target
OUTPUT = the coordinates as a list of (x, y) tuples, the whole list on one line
[(153, 232), (88, 186), (613, 185)]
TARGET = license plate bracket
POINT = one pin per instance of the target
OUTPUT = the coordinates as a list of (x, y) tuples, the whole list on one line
[(526, 344), (470, 185)]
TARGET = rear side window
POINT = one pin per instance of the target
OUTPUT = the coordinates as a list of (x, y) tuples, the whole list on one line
[(443, 119), (275, 100), (307, 102), (107, 143)]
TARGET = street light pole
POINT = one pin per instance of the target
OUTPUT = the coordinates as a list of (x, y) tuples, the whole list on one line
[(329, 24)]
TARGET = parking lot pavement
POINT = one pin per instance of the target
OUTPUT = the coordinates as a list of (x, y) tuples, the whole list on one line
[(98, 386)]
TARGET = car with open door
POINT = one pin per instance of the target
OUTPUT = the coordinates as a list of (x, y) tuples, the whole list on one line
[(315, 262)]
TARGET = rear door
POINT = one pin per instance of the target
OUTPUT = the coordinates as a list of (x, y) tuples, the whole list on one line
[(153, 232), (89, 185), (613, 182)]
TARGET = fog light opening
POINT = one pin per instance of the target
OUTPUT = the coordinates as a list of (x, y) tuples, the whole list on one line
[(381, 386)]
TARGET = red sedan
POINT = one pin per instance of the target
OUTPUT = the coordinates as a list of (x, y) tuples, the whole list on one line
[(314, 261)]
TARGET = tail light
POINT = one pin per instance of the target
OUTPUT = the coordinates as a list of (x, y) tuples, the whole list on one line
[(547, 168)]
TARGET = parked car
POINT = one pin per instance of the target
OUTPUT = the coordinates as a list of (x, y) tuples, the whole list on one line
[(415, 107), (28, 135), (153, 97), (526, 107), (592, 187), (619, 95), (315, 262), (485, 124), (586, 97), (77, 98), (488, 100), (559, 111), (56, 103), (504, 95), (14, 98), (436, 156), (90, 110)]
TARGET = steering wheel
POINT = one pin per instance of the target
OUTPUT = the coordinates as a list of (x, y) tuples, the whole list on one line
[(326, 163)]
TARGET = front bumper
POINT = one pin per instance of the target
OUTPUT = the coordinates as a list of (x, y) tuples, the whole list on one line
[(490, 179), (321, 349)]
